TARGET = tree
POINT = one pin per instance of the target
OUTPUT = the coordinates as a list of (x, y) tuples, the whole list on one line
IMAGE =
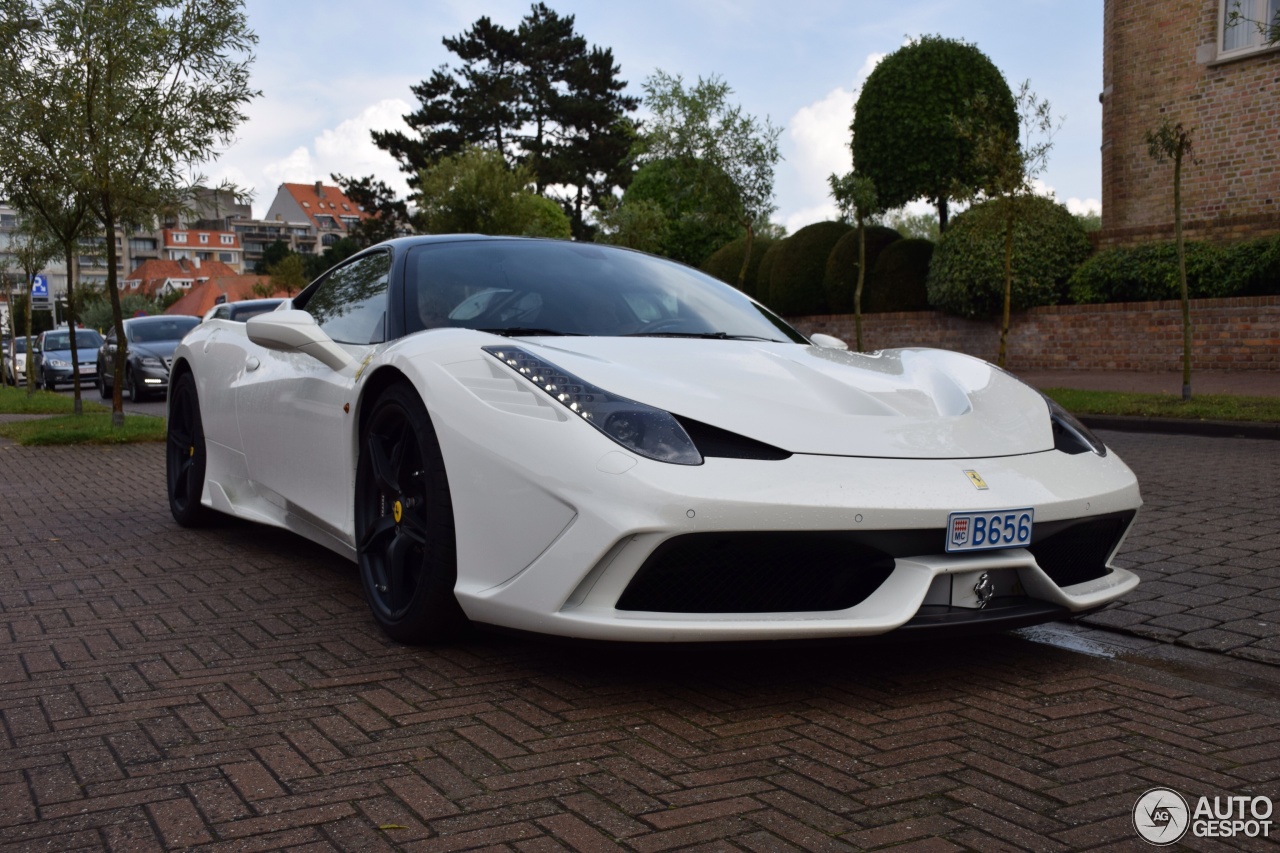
[(639, 224), (389, 215), (475, 192), (1009, 164), (125, 98), (920, 226), (904, 135), (288, 275), (857, 199), (32, 247), (538, 95), (700, 125), (1173, 142), (690, 195)]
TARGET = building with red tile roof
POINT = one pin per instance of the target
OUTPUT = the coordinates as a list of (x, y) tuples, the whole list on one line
[(328, 209), (216, 291), (204, 245), (157, 277)]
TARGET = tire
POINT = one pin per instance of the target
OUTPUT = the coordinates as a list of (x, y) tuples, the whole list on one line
[(406, 548), (185, 456), (104, 390), (134, 384)]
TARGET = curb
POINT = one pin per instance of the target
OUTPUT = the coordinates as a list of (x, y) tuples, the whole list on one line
[(1184, 426)]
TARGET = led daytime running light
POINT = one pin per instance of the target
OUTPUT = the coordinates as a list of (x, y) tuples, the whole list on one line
[(642, 429)]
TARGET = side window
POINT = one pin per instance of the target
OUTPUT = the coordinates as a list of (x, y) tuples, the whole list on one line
[(351, 303)]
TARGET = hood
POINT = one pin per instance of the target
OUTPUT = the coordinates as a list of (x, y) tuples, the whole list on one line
[(156, 349), (906, 403)]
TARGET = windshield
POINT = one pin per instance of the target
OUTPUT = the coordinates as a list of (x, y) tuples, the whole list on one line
[(160, 329), (20, 345), (85, 338), (560, 288)]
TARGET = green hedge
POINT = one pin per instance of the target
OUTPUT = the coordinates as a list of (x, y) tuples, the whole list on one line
[(898, 282), (840, 279), (726, 262), (796, 281), (966, 276), (764, 273), (1150, 272)]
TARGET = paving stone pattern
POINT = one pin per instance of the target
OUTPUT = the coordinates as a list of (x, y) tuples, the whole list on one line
[(226, 690), (1206, 544)]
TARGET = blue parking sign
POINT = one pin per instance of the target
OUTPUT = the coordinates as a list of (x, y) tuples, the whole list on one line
[(40, 287)]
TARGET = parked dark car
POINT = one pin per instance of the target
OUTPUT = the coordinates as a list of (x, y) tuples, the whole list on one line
[(150, 344), (53, 357), (242, 310)]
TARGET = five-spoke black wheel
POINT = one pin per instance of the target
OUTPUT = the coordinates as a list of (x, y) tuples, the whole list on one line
[(185, 455), (404, 522)]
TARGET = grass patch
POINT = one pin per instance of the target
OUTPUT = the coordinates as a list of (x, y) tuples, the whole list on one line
[(1205, 407), (14, 401), (89, 428)]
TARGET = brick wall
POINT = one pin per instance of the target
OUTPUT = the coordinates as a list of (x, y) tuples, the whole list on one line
[(1161, 59), (1227, 334)]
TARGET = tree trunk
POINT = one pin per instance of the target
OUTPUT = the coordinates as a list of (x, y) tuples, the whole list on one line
[(31, 364), (942, 214), (1182, 273), (117, 320), (862, 277), (746, 257), (1008, 285), (69, 250)]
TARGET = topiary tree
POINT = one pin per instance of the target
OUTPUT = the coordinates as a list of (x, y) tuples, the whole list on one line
[(764, 275), (726, 263), (840, 280), (796, 284), (899, 279), (966, 276), (904, 135)]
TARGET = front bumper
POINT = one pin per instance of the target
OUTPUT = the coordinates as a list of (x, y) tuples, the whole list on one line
[(88, 373), (587, 532)]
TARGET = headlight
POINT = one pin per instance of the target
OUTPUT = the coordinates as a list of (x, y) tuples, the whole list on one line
[(58, 363), (642, 429), (151, 361), (1071, 436)]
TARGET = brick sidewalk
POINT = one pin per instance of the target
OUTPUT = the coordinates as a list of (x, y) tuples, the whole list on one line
[(165, 689), (1206, 544)]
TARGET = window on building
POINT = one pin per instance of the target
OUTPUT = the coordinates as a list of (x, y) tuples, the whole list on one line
[(8, 220), (228, 240), (179, 237), (325, 221), (227, 257), (204, 238), (1244, 25)]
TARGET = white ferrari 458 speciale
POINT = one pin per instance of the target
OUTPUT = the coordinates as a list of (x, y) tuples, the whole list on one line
[(588, 441)]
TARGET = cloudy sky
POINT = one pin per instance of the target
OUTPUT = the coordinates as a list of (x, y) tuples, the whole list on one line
[(330, 71)]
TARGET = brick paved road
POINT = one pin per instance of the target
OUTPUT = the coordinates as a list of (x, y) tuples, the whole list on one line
[(161, 688), (1207, 544)]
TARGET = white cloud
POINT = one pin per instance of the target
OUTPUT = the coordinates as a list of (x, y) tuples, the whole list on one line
[(346, 149), (819, 136), (1088, 205)]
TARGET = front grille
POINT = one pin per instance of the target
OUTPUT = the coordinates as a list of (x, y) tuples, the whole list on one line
[(1078, 552), (757, 573)]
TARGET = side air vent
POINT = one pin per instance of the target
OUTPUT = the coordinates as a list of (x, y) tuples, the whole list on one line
[(713, 441)]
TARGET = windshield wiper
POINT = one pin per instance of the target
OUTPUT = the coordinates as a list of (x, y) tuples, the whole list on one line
[(711, 336), (521, 331)]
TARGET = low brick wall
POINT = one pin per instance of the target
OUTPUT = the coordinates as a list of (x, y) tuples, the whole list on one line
[(1227, 334)]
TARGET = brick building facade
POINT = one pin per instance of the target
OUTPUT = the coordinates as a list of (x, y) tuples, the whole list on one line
[(1181, 59)]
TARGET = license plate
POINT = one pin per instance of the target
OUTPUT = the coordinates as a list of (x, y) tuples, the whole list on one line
[(996, 528), (88, 368)]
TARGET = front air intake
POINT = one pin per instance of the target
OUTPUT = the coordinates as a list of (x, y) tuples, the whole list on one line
[(1079, 551)]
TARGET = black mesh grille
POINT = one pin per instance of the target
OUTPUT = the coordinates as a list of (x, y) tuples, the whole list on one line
[(1079, 553), (756, 573)]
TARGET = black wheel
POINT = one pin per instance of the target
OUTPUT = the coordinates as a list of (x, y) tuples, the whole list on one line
[(104, 389), (136, 390), (45, 384), (185, 456), (404, 523)]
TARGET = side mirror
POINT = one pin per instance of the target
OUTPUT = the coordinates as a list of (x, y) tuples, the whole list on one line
[(827, 341), (296, 331)]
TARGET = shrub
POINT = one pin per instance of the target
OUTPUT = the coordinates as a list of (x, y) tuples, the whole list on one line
[(796, 285), (1150, 272), (898, 281), (966, 276), (764, 274), (840, 278), (726, 262), (687, 191)]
